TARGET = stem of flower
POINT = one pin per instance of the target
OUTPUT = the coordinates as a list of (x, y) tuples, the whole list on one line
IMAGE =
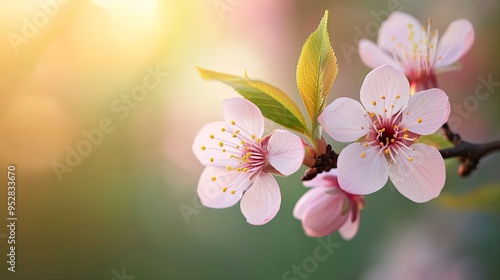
[(469, 154)]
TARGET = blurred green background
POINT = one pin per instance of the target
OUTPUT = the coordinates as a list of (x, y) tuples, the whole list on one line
[(116, 212)]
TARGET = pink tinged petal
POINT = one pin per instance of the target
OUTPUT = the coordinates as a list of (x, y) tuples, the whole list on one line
[(455, 42), (362, 170), (324, 179), (385, 91), (422, 178), (211, 192), (207, 144), (350, 228), (427, 111), (397, 29), (345, 120), (286, 151), (324, 216), (262, 200), (373, 56), (309, 199), (245, 115)]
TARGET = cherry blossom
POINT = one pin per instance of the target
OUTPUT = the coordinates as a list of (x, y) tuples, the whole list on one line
[(239, 161), (387, 126), (326, 208), (417, 50)]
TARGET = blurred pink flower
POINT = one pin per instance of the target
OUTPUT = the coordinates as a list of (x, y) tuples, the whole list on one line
[(326, 208), (387, 128), (239, 162), (407, 45)]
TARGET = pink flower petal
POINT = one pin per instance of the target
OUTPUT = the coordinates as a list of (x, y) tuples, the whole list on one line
[(385, 91), (208, 150), (246, 116), (345, 120), (455, 42), (324, 216), (210, 191), (427, 111), (262, 200), (362, 170), (324, 179), (395, 33), (286, 151), (373, 56), (422, 178), (310, 198), (350, 228)]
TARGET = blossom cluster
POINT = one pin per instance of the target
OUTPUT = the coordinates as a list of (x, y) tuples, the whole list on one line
[(400, 101)]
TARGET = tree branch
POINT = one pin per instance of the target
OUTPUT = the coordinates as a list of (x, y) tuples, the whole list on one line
[(469, 154)]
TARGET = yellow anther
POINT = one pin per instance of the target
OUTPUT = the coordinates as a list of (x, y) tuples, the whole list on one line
[(212, 136), (238, 169), (245, 169), (374, 122), (362, 155), (386, 151), (233, 192), (381, 130), (397, 96), (410, 159), (253, 136), (405, 129), (383, 97), (237, 146), (237, 131), (223, 150), (405, 136), (248, 154), (213, 178), (385, 110), (419, 120), (221, 144), (242, 142), (392, 140), (211, 159), (203, 148), (224, 189), (381, 144), (392, 106), (396, 127), (233, 122), (374, 103), (229, 168), (234, 135), (365, 144), (410, 25), (223, 129)]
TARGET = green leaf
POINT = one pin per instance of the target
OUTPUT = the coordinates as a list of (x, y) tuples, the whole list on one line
[(486, 198), (316, 71), (273, 103), (437, 140)]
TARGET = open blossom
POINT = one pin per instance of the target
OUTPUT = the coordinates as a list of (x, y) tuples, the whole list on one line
[(239, 162), (386, 129), (327, 208), (417, 50)]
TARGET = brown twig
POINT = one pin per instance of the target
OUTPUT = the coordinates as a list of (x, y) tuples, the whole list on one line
[(469, 154)]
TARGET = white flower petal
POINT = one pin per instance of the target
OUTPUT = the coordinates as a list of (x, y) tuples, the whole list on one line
[(286, 151), (455, 42), (345, 120), (350, 228), (324, 179), (246, 116), (211, 191), (373, 56), (262, 200), (362, 170), (385, 91), (308, 199), (427, 111), (208, 150), (395, 33), (422, 178)]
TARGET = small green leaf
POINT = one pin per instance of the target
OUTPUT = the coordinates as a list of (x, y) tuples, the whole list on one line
[(486, 198), (273, 103), (437, 140), (316, 71)]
